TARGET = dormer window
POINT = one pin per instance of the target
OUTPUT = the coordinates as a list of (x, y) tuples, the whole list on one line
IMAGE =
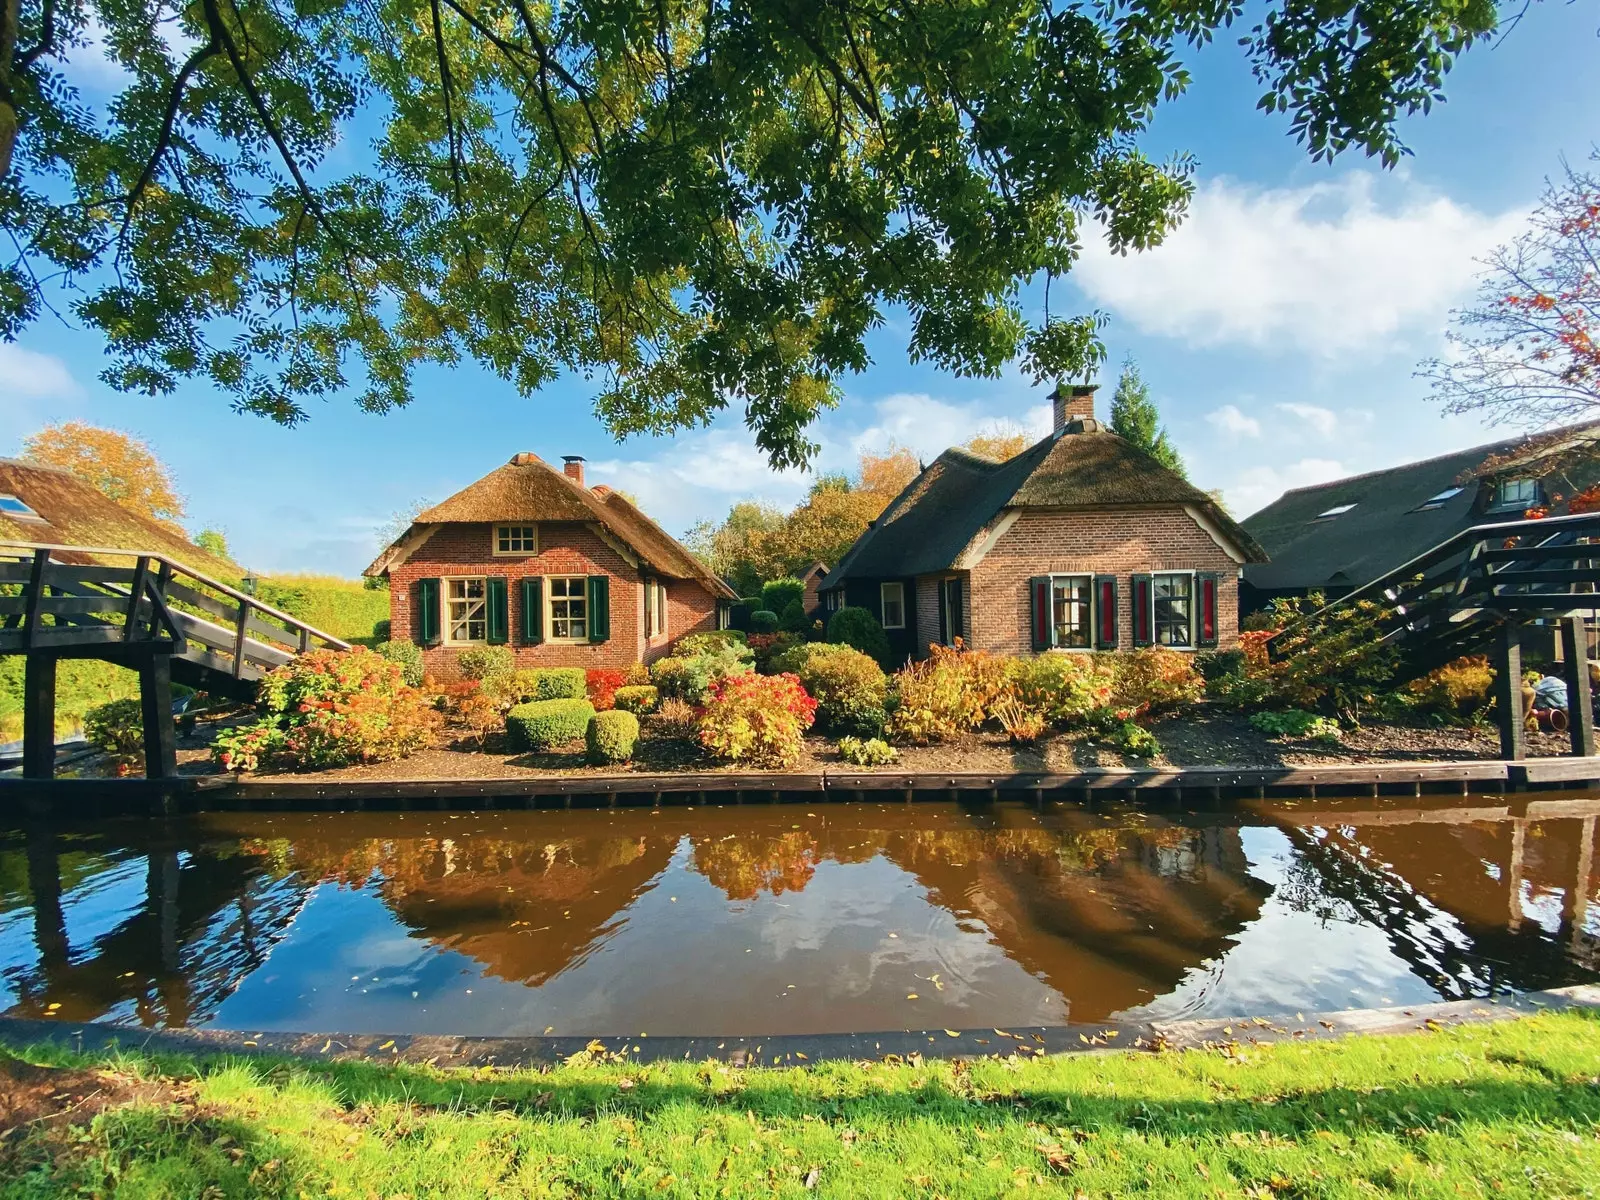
[(1338, 510), (14, 509), (1517, 494), (516, 539), (1438, 501)]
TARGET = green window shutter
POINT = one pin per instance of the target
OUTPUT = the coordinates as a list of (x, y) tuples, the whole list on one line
[(1144, 611), (599, 608), (497, 610), (425, 618), (532, 610), (1105, 612), (1039, 617)]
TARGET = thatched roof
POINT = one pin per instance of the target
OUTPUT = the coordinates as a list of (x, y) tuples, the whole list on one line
[(75, 513), (944, 509), (529, 489), (1388, 525)]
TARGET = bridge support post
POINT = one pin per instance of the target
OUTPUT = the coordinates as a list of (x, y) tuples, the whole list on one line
[(1508, 694), (1580, 705), (155, 706), (39, 716)]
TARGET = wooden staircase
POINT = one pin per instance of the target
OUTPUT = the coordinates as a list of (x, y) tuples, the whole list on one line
[(1474, 592), (154, 615)]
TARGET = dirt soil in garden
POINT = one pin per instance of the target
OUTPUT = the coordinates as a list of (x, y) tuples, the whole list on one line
[(1203, 737)]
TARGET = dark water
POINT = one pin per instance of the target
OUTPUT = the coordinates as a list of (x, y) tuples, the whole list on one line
[(786, 919)]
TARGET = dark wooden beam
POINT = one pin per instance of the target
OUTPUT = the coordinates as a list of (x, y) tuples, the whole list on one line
[(1508, 693), (155, 706), (30, 620), (39, 716), (1580, 702), (141, 578)]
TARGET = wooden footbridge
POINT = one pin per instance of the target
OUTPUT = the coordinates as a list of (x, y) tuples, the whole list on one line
[(154, 615)]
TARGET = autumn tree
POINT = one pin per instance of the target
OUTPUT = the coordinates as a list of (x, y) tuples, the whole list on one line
[(1528, 351), (728, 548), (1001, 441), (697, 203), (214, 542), (117, 464), (1135, 418), (888, 473)]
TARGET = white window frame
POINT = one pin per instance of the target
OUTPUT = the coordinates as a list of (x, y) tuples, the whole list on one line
[(502, 530), (655, 608), (1092, 605), (550, 599), (883, 602), (446, 625), (1536, 494), (1194, 604)]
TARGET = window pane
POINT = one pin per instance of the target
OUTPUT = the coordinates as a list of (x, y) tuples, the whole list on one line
[(1071, 612), (1174, 605)]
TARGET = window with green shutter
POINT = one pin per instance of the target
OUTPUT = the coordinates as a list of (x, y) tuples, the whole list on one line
[(498, 624), (599, 608), (532, 610), (425, 615)]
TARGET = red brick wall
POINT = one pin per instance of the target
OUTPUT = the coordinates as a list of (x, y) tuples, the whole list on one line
[(565, 548), (1118, 543), (690, 609)]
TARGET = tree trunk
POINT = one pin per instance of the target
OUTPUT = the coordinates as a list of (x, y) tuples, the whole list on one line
[(10, 23)]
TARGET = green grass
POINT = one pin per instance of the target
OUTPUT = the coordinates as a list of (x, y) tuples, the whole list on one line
[(81, 684), (343, 607), (1502, 1110)]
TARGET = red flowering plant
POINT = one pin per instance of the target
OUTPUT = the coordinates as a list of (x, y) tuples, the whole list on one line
[(331, 708), (602, 684), (759, 719)]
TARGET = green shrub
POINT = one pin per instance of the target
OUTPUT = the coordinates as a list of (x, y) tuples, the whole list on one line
[(849, 687), (538, 683), (763, 620), (1337, 660), (948, 694), (769, 648), (691, 644), (485, 662), (778, 594), (689, 678), (1239, 691), (117, 728), (793, 618), (611, 737), (380, 630), (346, 608), (1064, 688), (1155, 679), (873, 752), (1134, 741), (1214, 664), (81, 684), (1456, 690), (541, 724), (408, 655), (640, 698), (854, 626), (1297, 723)]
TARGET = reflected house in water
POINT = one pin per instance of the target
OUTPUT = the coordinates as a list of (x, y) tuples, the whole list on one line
[(1105, 913)]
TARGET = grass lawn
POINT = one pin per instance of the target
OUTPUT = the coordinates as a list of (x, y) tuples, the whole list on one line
[(1492, 1110)]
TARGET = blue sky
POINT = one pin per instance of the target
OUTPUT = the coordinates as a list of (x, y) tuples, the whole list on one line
[(1279, 330)]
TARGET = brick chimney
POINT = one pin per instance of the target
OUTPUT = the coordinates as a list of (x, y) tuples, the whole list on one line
[(1072, 408), (572, 467)]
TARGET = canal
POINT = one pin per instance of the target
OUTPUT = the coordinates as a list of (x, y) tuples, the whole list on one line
[(787, 918)]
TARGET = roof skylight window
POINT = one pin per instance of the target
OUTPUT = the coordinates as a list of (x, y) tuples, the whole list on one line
[(1338, 510), (1440, 500), (15, 509)]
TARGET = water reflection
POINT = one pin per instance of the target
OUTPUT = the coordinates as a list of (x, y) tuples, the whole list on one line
[(766, 920)]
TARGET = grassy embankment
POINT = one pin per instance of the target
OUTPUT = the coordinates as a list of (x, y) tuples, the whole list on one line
[(342, 607), (1507, 1109)]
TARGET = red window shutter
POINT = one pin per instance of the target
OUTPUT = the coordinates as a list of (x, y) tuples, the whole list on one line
[(1105, 612), (1208, 609)]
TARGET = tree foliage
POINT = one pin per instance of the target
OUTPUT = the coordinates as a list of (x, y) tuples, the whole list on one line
[(120, 466), (1528, 351), (1001, 441), (1134, 417), (698, 203)]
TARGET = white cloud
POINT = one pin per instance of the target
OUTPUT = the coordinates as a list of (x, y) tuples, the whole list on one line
[(1323, 269), (1255, 487), (1234, 423), (930, 426), (1323, 420), (29, 375)]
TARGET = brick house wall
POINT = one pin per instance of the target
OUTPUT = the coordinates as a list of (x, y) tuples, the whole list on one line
[(1121, 543), (565, 548), (927, 613)]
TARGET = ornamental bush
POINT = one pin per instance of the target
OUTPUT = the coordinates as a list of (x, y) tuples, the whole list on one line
[(1335, 660), (688, 678), (1155, 679), (948, 694), (1021, 723), (330, 708), (873, 752), (763, 620), (691, 644), (793, 618), (854, 626), (116, 728), (380, 630), (758, 719), (778, 594), (541, 724), (677, 719), (1134, 741), (1297, 723), (602, 683), (636, 698), (769, 649), (1064, 688), (538, 683), (849, 687), (611, 737), (1456, 690), (408, 655), (484, 662)]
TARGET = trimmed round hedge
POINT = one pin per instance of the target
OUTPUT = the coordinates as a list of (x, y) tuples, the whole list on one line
[(763, 620), (541, 724), (855, 626), (611, 737)]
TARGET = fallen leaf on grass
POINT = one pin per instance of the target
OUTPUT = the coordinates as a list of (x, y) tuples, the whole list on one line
[(811, 1177), (1058, 1156)]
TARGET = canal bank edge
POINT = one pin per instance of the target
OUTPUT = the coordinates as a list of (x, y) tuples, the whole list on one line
[(445, 1051)]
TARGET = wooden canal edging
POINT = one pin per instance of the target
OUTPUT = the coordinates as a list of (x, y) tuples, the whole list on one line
[(155, 616), (223, 793)]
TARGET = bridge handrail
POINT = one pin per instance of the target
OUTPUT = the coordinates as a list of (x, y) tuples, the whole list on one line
[(244, 598)]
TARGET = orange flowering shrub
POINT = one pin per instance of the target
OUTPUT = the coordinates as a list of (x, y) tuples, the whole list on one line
[(759, 719), (949, 693), (331, 708), (1154, 679), (602, 684), (1457, 689)]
